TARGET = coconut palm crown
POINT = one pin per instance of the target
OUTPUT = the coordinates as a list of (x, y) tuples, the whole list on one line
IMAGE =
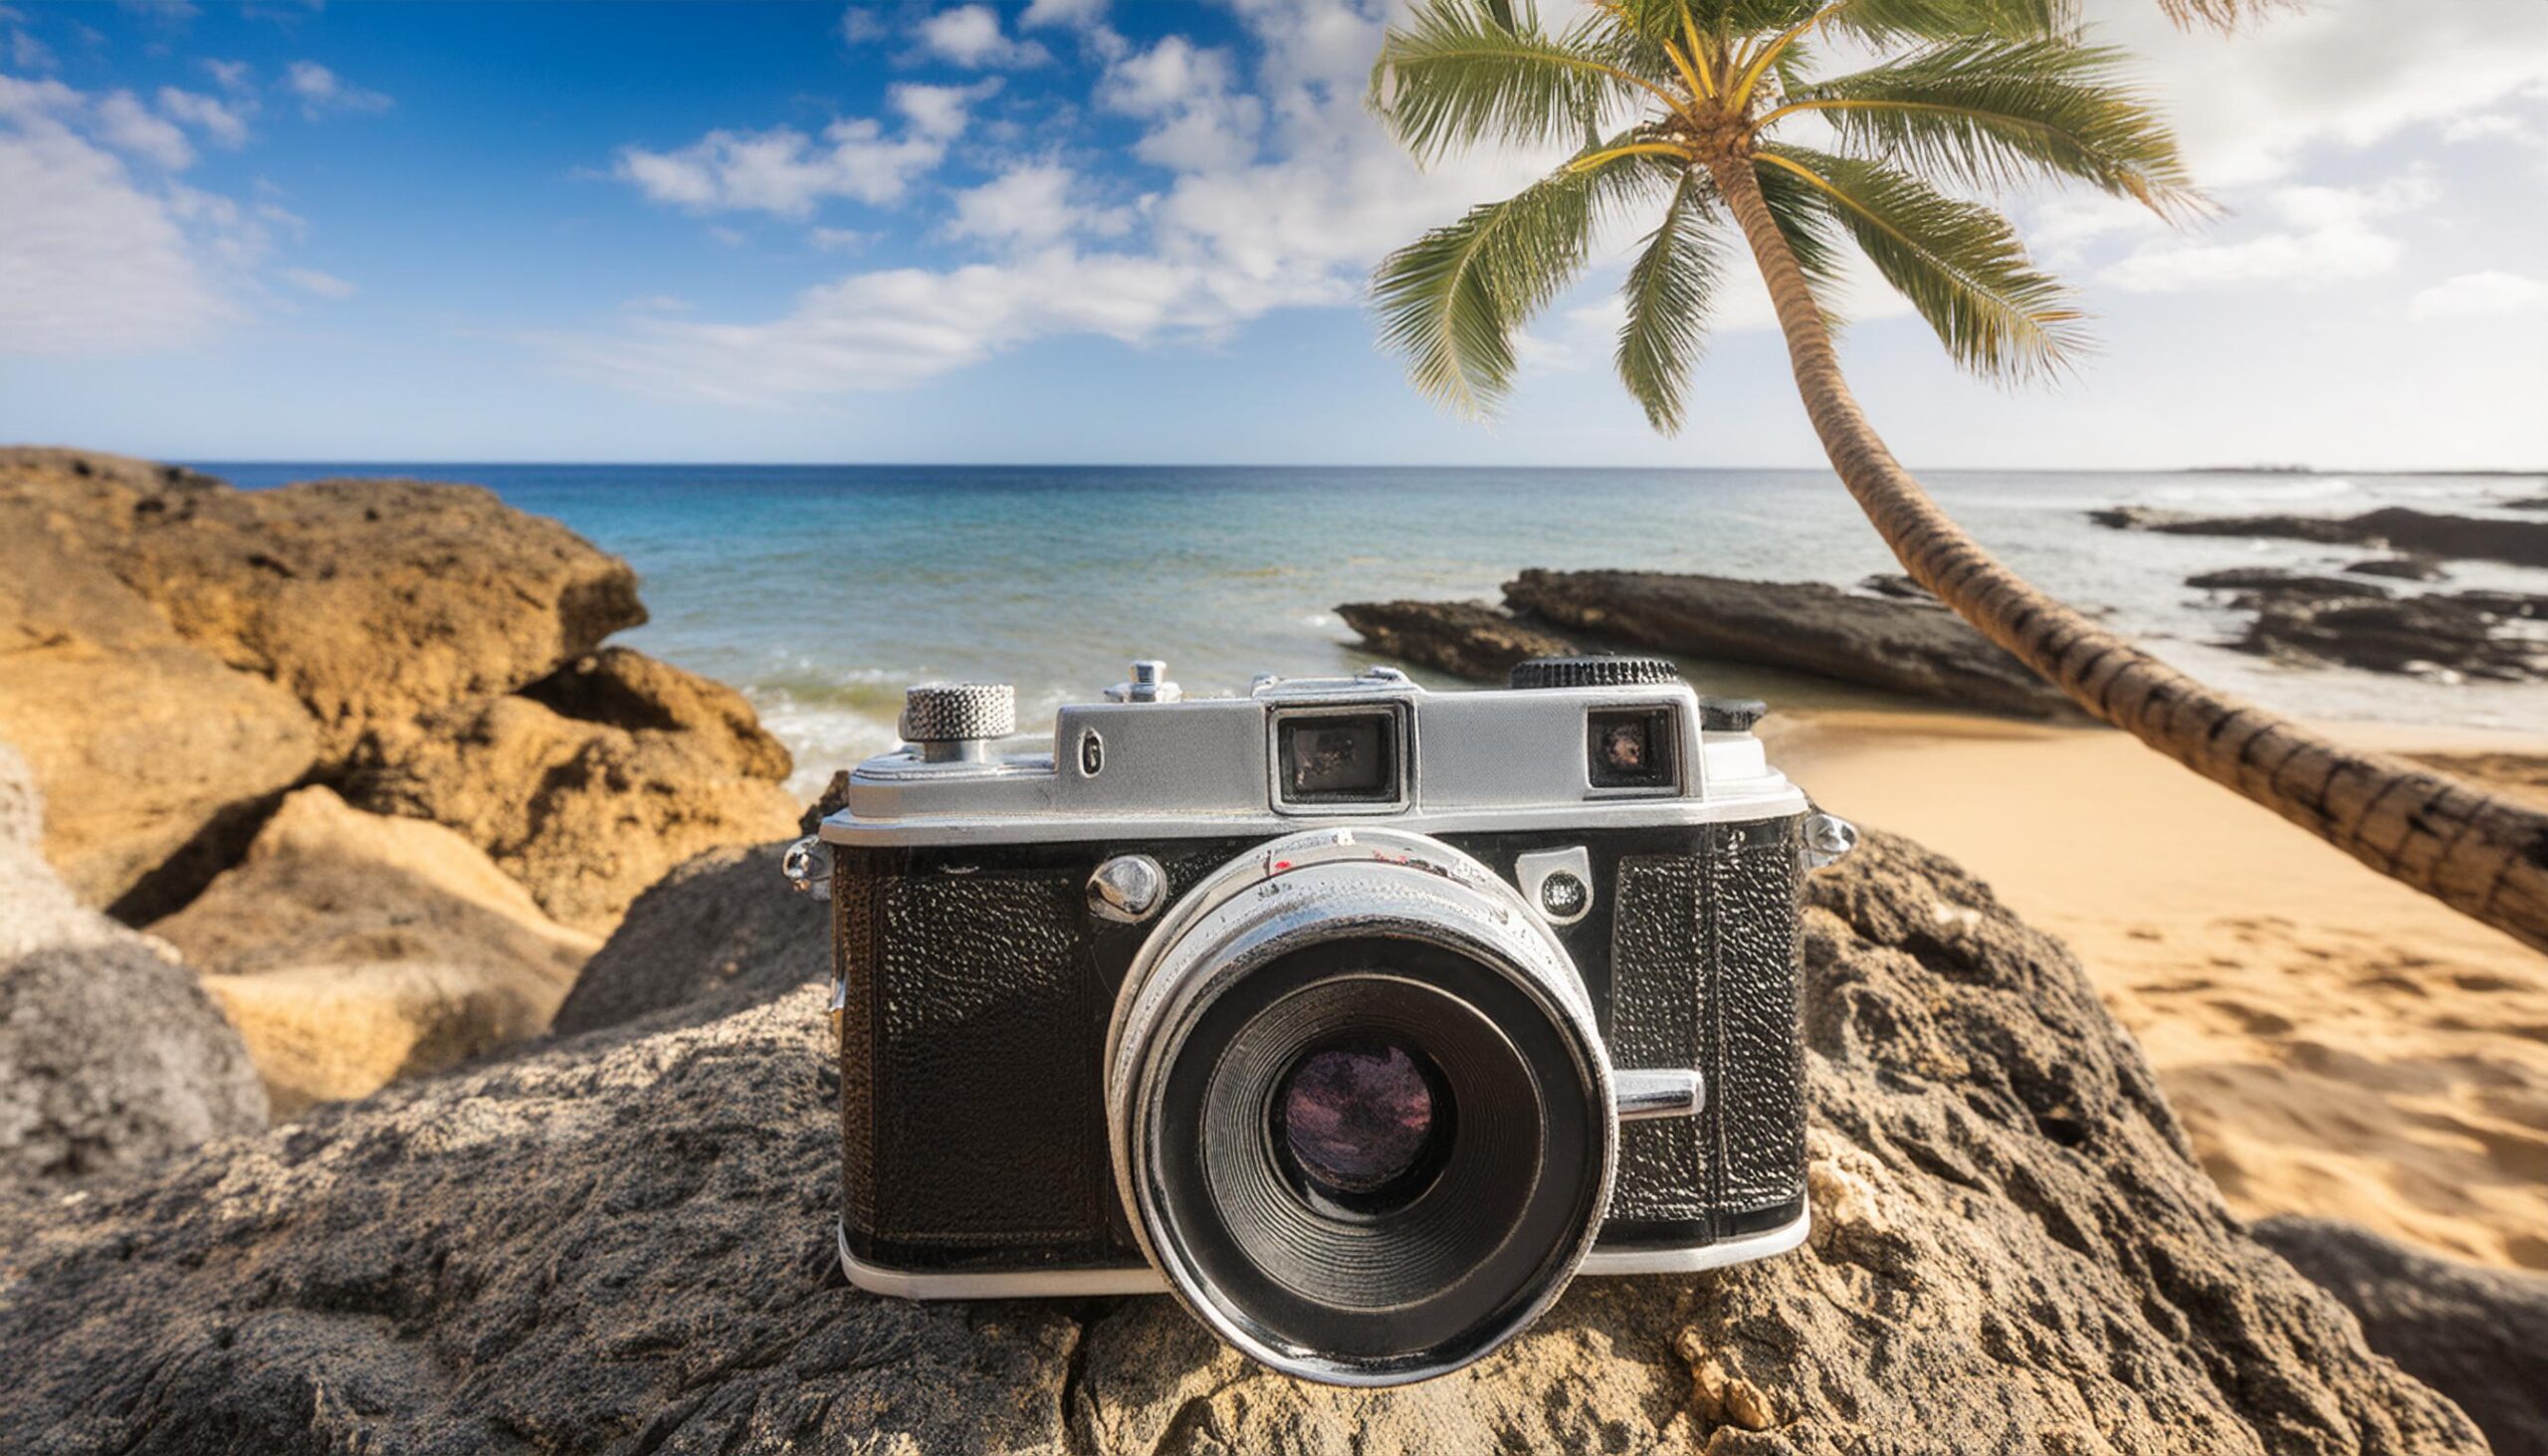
[(1710, 113), (1678, 107)]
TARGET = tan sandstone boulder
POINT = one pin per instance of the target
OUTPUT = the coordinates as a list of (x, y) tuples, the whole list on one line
[(156, 758), (351, 950), (590, 785), (367, 600)]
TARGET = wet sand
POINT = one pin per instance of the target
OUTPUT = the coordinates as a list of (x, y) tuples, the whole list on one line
[(2336, 1043)]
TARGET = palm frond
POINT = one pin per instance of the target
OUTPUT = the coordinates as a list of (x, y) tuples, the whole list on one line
[(1463, 72), (1879, 22), (1959, 264), (2001, 112), (1667, 292), (1451, 300)]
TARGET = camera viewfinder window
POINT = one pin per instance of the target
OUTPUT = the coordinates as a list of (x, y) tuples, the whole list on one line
[(1630, 747), (1339, 759)]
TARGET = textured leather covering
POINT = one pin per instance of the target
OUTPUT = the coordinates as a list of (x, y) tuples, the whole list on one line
[(978, 988)]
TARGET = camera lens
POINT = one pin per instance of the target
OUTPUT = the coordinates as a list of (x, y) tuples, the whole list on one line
[(1357, 1124), (1360, 1110)]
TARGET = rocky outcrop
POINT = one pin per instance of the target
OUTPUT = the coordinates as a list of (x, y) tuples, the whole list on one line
[(351, 950), (370, 601), (2391, 527), (2402, 568), (723, 924), (587, 811), (623, 1242), (2492, 635), (1465, 639), (2530, 503), (158, 760), (2253, 584), (175, 654), (2478, 1335), (1887, 644), (110, 1056)]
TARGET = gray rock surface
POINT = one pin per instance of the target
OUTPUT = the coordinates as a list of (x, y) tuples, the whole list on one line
[(2499, 636), (2264, 584), (2391, 527), (720, 925), (110, 1056), (623, 1242), (2402, 568), (1877, 642), (1465, 639), (2478, 1335)]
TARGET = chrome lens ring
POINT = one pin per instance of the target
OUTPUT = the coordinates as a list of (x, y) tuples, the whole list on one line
[(1248, 948)]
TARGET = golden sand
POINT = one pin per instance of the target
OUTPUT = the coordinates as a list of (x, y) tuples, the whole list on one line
[(2336, 1043)]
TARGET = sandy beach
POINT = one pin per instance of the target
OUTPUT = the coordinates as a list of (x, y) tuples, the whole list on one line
[(2335, 1043)]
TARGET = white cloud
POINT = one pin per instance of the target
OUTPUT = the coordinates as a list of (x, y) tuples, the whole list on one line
[(1032, 205), (2341, 72), (323, 91), (320, 285), (783, 170), (1076, 14), (970, 36), (2328, 238), (129, 127), (90, 264), (860, 24), (836, 239), (227, 125), (942, 111), (1200, 121), (234, 77), (2488, 295)]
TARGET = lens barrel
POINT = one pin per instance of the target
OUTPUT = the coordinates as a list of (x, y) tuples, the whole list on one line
[(1359, 1108)]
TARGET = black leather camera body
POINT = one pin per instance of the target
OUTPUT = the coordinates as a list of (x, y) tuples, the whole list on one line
[(1357, 1016)]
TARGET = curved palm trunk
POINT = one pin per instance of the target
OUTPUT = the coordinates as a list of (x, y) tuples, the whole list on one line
[(2476, 852)]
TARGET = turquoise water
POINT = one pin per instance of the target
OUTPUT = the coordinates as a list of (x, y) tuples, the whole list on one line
[(821, 590)]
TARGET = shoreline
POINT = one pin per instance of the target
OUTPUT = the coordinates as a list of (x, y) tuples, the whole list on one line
[(2335, 1043)]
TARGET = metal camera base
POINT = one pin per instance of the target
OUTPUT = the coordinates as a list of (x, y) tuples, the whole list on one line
[(1015, 1284)]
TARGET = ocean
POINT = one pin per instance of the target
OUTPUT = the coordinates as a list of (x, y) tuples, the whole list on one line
[(821, 590)]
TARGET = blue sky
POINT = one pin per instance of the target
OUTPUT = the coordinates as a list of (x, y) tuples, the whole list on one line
[(1080, 231)]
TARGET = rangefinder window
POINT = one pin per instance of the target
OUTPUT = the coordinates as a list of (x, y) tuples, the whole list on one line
[(1338, 758), (1632, 749)]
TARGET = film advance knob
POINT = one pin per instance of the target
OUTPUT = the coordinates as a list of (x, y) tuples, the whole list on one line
[(1593, 671), (959, 713)]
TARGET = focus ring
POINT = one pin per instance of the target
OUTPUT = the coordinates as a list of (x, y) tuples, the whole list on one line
[(949, 713), (1593, 671)]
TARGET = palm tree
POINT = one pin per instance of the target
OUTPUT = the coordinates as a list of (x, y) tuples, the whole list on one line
[(1691, 109)]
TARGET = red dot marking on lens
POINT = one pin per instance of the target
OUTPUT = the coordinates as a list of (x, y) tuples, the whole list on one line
[(1282, 864)]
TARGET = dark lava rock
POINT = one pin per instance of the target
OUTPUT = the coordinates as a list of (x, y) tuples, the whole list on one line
[(2391, 527), (1465, 639), (2268, 584), (2404, 569), (2478, 1335), (623, 1242), (720, 925), (1900, 587), (1895, 646), (2534, 502), (2496, 635)]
